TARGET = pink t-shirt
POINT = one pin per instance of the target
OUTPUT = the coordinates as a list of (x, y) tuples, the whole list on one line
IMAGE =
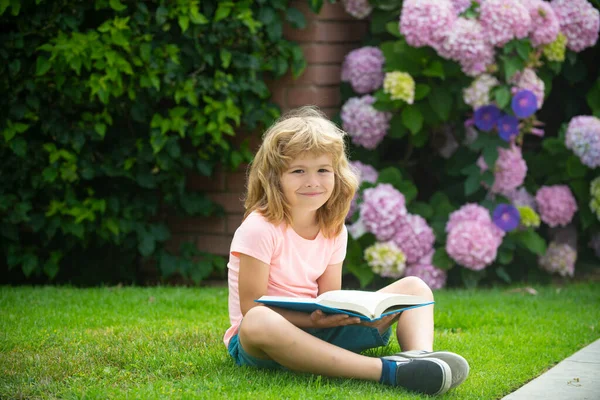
[(295, 263)]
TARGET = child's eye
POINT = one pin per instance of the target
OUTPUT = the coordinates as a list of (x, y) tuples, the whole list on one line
[(297, 171), (323, 170)]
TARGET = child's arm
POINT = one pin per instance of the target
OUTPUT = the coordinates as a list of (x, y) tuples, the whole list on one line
[(331, 278), (253, 279)]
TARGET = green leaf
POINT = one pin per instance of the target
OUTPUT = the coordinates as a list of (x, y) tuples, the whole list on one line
[(362, 272), (315, 5), (421, 90), (530, 240), (146, 245), (391, 175), (502, 274), (502, 96), (575, 168), (442, 260), (184, 22), (393, 28), (223, 11), (412, 119), (295, 18), (554, 146), (397, 128), (440, 100), (29, 264), (511, 66), (505, 256), (490, 155), (117, 5), (421, 208), (593, 98), (523, 49), (225, 57), (435, 70), (4, 5), (472, 184), (41, 66), (100, 129)]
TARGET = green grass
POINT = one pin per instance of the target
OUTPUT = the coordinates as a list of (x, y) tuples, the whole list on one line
[(155, 343)]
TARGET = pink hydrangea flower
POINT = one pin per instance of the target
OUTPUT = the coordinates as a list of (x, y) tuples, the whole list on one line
[(583, 138), (364, 124), (510, 169), (504, 20), (382, 210), (357, 8), (414, 237), (556, 204), (559, 258), (466, 44), (366, 173), (544, 22), (528, 80), (426, 22), (434, 277), (472, 244), (461, 6), (579, 21), (363, 68), (468, 212)]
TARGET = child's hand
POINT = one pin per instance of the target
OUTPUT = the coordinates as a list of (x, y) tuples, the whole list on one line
[(320, 320), (383, 323)]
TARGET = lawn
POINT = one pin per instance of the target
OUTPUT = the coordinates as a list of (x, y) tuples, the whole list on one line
[(156, 343)]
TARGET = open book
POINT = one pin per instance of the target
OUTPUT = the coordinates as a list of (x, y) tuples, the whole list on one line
[(368, 306)]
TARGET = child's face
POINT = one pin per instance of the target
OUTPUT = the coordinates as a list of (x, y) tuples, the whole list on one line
[(308, 181)]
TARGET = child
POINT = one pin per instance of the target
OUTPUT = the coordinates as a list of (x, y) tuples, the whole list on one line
[(292, 242)]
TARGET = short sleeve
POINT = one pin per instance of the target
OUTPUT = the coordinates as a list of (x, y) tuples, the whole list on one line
[(256, 237), (339, 247)]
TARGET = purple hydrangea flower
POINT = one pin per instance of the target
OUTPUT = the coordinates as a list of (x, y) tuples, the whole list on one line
[(508, 126), (504, 20), (364, 124), (426, 22), (363, 68), (382, 210), (524, 103), (578, 21), (583, 138), (486, 117), (506, 217)]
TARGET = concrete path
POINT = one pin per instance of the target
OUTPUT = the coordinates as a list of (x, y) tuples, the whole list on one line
[(575, 378)]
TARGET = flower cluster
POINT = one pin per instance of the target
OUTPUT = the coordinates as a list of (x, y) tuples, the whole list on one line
[(579, 21), (583, 138), (529, 218), (400, 86), (414, 237), (364, 124), (478, 93), (466, 45), (363, 68), (544, 23), (473, 239), (509, 171), (382, 210), (529, 81), (595, 197), (556, 50), (386, 259), (461, 6), (504, 20), (559, 258), (434, 277), (357, 8), (365, 173), (426, 23), (556, 204)]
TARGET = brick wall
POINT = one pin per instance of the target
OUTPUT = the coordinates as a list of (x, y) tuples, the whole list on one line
[(325, 40)]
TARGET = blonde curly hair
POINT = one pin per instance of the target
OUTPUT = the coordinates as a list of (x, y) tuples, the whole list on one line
[(303, 130)]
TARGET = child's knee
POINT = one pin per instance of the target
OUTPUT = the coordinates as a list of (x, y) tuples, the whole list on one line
[(259, 322), (418, 287)]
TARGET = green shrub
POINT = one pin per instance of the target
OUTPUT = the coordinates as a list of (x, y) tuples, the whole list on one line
[(107, 107)]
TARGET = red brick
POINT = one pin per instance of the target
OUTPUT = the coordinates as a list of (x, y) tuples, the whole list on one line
[(231, 202), (327, 31), (315, 74), (328, 11), (213, 183), (327, 53), (322, 96), (197, 224), (233, 222), (236, 181), (214, 244)]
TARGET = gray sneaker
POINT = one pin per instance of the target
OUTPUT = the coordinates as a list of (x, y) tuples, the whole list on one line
[(428, 375), (458, 365)]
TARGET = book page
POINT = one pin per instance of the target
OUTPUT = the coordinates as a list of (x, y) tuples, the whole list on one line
[(374, 302)]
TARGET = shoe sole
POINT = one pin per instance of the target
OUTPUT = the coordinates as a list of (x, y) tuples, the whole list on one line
[(429, 376), (458, 364)]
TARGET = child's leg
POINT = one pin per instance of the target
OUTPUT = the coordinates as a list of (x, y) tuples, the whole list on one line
[(415, 327), (266, 334)]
